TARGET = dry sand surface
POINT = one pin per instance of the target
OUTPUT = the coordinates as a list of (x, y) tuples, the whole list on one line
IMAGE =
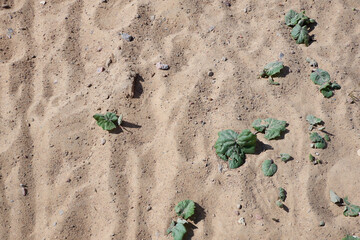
[(126, 188)]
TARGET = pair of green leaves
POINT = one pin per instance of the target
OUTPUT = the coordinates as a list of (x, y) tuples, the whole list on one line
[(281, 198), (272, 127), (272, 69), (285, 157), (318, 141), (185, 209), (232, 147), (300, 23), (322, 78), (108, 121), (314, 120), (349, 237)]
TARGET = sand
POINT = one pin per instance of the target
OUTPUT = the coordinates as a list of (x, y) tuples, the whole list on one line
[(85, 183)]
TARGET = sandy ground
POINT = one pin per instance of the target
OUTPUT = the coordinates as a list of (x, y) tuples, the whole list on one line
[(79, 188)]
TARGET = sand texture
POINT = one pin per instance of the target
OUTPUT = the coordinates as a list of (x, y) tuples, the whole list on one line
[(62, 62)]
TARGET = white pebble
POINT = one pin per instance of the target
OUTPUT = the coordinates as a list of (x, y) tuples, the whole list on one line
[(43, 2), (103, 141), (242, 221)]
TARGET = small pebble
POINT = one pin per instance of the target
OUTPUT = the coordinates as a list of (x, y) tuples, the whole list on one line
[(43, 2), (224, 59), (55, 224), (100, 69), (61, 212), (152, 18), (211, 73), (242, 221), (358, 152), (148, 208), (162, 66), (108, 62), (317, 154), (322, 223), (103, 141), (99, 49), (211, 28), (239, 206), (127, 37)]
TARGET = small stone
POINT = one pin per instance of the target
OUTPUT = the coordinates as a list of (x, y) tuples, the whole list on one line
[(127, 37), (104, 1), (100, 69), (108, 62), (55, 224), (317, 154), (210, 73), (103, 141), (61, 212), (220, 168), (358, 152), (242, 221), (237, 213), (137, 16), (152, 18), (148, 208), (162, 66), (239, 206), (224, 59), (322, 223), (5, 5), (211, 28), (99, 49), (43, 2), (312, 145)]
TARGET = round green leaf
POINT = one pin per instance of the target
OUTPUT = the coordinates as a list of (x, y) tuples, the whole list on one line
[(107, 121), (247, 141), (269, 168), (272, 69), (320, 77)]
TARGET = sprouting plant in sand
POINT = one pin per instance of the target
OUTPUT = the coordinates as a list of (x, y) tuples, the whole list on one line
[(184, 210), (270, 70), (300, 23), (108, 121)]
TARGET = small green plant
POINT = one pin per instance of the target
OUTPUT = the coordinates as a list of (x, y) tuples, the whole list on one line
[(322, 78), (314, 120), (269, 168), (285, 157), (300, 23), (280, 204), (185, 209), (318, 141), (272, 127), (108, 121), (232, 147), (350, 210), (270, 70), (311, 158), (282, 194)]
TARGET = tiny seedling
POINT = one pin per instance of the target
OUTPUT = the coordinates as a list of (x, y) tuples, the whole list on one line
[(272, 127), (322, 78), (314, 120), (232, 147), (280, 204), (185, 209), (108, 121), (269, 168), (318, 141), (271, 70), (350, 210), (282, 194), (314, 160), (327, 138), (285, 157), (300, 23)]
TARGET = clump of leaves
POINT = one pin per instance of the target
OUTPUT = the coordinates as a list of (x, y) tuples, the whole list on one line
[(318, 141), (285, 157), (185, 209), (232, 147), (271, 70), (272, 127), (269, 168), (322, 78), (314, 160), (350, 210), (349, 237), (280, 204), (282, 194), (300, 23), (108, 121)]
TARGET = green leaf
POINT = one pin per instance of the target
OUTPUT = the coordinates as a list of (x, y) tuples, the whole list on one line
[(334, 198), (292, 18), (282, 194), (326, 90), (272, 82), (273, 127), (269, 168), (177, 231), (227, 148), (285, 157), (311, 157), (107, 121), (295, 32), (320, 77), (279, 204), (350, 209), (185, 209), (334, 85), (317, 140), (247, 141), (303, 37), (313, 120), (349, 237), (327, 138), (272, 69)]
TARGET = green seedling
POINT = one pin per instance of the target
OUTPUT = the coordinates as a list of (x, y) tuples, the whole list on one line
[(272, 127), (232, 147), (270, 70), (350, 209), (280, 204), (322, 78), (282, 194), (269, 168), (285, 157), (314, 120), (185, 209), (300, 23), (108, 121), (318, 141)]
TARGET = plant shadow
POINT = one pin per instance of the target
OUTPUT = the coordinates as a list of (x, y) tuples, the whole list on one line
[(286, 209), (262, 147), (138, 88), (123, 127), (199, 215), (189, 231), (282, 135), (284, 72), (311, 28)]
